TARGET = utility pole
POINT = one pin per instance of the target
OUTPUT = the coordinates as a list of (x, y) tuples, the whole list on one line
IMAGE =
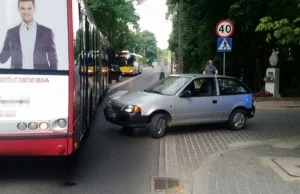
[(180, 42)]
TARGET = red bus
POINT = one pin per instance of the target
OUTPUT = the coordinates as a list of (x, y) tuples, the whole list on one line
[(51, 77)]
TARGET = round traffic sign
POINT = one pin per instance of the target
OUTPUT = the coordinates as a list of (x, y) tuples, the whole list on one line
[(224, 29)]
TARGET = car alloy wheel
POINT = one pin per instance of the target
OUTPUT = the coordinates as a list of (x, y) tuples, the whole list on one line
[(237, 119), (161, 126), (158, 125)]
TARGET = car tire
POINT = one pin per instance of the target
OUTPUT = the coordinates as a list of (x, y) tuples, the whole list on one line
[(237, 120), (120, 78), (158, 125)]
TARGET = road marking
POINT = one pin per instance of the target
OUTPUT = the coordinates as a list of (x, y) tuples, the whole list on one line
[(129, 80), (118, 94)]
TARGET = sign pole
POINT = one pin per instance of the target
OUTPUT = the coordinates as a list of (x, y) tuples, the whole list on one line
[(224, 30), (223, 63)]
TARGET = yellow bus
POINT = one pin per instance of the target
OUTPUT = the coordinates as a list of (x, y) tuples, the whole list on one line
[(129, 63)]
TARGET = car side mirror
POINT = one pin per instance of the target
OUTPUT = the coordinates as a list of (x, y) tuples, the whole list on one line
[(185, 94)]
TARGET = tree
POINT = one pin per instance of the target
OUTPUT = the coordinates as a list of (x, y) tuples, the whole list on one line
[(250, 50), (143, 43), (113, 18), (284, 30)]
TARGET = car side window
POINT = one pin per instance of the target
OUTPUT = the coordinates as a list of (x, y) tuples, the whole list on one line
[(201, 87), (229, 86)]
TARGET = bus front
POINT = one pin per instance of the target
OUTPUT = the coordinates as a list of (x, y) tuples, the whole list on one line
[(36, 83), (125, 62)]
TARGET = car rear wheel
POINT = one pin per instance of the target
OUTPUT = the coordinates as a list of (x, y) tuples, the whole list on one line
[(237, 120), (158, 125)]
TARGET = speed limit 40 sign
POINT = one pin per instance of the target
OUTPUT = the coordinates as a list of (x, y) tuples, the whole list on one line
[(224, 29)]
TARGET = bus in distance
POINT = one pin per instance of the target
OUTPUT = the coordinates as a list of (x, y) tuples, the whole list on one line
[(129, 63)]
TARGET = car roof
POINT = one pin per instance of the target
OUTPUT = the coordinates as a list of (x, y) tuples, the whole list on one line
[(200, 75)]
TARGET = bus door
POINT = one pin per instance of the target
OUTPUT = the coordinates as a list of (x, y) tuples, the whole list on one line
[(84, 81)]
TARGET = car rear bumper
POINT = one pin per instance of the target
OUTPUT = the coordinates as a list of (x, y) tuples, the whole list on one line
[(251, 112), (125, 119)]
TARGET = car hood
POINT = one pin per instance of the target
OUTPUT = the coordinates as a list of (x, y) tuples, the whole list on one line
[(138, 98)]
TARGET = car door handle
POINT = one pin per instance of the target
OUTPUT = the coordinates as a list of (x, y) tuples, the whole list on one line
[(214, 101)]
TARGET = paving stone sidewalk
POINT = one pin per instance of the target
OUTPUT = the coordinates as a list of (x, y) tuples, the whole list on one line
[(240, 171), (183, 150)]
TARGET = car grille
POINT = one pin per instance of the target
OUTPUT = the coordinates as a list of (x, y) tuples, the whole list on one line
[(116, 108)]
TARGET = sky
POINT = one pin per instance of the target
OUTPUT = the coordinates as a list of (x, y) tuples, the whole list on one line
[(152, 18)]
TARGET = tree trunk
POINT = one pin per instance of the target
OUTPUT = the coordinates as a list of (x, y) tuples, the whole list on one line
[(180, 42)]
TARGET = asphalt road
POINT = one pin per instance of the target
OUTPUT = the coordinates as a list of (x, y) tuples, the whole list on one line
[(110, 161)]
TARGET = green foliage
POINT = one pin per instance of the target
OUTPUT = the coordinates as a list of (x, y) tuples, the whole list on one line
[(113, 17), (143, 43), (259, 26), (284, 30)]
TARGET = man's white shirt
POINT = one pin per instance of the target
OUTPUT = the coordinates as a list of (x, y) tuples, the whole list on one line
[(27, 38)]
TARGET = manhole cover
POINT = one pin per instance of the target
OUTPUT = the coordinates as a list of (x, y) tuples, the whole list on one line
[(164, 183)]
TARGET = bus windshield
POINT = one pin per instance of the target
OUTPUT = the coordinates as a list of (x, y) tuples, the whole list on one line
[(122, 60)]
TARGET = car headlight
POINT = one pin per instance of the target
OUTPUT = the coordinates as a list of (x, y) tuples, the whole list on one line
[(132, 108)]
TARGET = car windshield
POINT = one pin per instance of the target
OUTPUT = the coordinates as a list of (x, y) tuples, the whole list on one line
[(169, 86)]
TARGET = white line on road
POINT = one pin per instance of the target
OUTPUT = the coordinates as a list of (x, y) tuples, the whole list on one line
[(129, 80)]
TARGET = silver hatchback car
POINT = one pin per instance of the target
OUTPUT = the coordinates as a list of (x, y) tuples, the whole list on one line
[(184, 99)]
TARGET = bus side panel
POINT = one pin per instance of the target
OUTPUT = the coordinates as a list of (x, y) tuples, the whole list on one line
[(34, 147), (70, 147)]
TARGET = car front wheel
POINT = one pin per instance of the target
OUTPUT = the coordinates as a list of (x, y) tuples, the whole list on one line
[(158, 126), (237, 120)]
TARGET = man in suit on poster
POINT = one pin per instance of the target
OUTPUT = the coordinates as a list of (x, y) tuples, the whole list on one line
[(29, 45)]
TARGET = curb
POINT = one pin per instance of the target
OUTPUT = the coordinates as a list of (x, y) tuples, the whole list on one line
[(281, 99), (277, 107)]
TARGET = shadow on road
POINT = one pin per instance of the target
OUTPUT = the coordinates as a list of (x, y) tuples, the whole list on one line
[(35, 168)]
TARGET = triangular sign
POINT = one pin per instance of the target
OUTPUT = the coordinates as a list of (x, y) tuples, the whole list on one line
[(224, 45)]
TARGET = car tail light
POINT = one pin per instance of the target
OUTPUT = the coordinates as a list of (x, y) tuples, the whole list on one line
[(44, 126)]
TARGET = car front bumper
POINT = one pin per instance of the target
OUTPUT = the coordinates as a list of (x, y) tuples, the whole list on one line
[(251, 112), (125, 119)]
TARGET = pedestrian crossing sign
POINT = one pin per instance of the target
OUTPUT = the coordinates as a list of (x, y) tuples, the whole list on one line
[(224, 45)]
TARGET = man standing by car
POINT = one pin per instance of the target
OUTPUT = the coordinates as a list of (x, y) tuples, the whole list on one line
[(162, 71), (210, 69)]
